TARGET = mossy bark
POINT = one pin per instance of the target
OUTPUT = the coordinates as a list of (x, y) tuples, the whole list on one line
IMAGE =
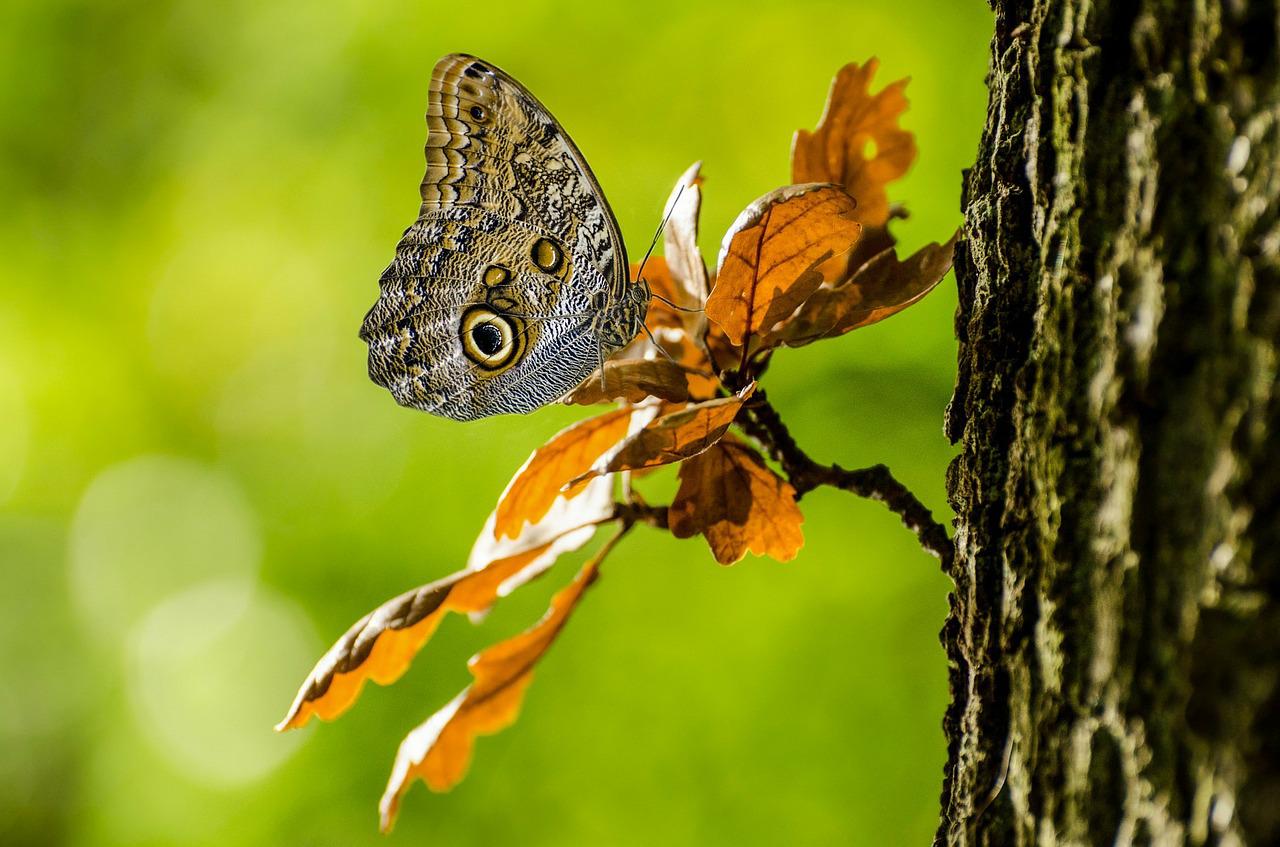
[(1114, 636)]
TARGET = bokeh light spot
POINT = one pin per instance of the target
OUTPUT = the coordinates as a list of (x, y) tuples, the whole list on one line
[(207, 692), (151, 526)]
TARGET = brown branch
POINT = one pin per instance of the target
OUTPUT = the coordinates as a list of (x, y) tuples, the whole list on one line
[(638, 512), (762, 422)]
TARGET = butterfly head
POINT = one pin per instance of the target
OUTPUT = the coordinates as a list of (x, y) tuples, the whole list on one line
[(621, 318)]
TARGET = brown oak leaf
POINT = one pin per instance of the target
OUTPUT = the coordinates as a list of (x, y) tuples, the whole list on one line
[(439, 750), (858, 143), (775, 254), (881, 287), (633, 380), (663, 287), (570, 452), (738, 504), (680, 240), (381, 645), (673, 437)]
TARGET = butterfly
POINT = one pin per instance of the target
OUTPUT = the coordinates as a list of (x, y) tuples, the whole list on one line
[(512, 287)]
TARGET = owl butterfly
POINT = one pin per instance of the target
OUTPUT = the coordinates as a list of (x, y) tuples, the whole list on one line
[(512, 287)]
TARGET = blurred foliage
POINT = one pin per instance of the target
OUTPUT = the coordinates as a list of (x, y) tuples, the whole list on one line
[(200, 488)]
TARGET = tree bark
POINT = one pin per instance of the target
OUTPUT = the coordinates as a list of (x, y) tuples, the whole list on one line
[(1114, 636)]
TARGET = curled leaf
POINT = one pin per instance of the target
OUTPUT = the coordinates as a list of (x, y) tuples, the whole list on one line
[(680, 240), (693, 360), (538, 483), (578, 510), (673, 437), (663, 287), (858, 143), (738, 503), (878, 289), (439, 750), (774, 256), (382, 644), (634, 380)]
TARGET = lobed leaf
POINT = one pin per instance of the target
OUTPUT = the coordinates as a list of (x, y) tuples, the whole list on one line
[(858, 142), (730, 496), (540, 479), (661, 284), (673, 437), (581, 509), (439, 750), (680, 241), (382, 644), (775, 254), (634, 380), (881, 287)]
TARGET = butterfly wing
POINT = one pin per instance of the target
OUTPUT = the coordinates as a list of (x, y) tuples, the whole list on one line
[(496, 297)]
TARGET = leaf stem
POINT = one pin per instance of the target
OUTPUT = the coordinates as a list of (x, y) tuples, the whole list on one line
[(762, 422)]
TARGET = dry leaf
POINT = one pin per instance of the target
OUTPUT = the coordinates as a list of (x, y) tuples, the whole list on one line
[(680, 240), (671, 329), (774, 254), (730, 496), (661, 285), (439, 750), (673, 437), (539, 481), (381, 645), (880, 288), (634, 380), (580, 510), (858, 143), (693, 360)]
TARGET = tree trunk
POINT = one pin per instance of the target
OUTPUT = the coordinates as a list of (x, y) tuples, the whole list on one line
[(1114, 636)]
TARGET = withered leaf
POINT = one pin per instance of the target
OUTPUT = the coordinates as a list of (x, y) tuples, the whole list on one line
[(439, 750), (674, 437), (569, 453), (633, 380), (661, 285), (880, 288), (693, 360), (579, 510), (381, 645), (738, 503), (680, 240), (858, 143), (773, 256)]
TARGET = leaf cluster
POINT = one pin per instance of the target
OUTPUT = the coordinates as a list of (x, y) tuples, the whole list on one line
[(804, 263)]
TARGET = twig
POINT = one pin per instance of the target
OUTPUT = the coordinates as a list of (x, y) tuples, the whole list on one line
[(639, 512), (762, 422)]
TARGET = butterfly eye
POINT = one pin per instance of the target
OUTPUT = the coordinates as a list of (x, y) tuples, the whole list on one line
[(492, 341)]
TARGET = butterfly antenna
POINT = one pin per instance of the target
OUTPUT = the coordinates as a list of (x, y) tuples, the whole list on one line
[(640, 272), (658, 234)]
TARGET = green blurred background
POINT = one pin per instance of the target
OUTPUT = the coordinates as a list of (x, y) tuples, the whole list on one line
[(200, 490)]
